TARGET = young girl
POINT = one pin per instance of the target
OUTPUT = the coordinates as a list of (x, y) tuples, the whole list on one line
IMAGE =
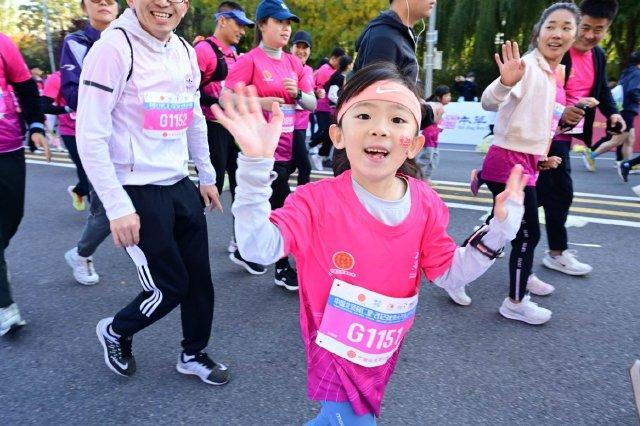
[(336, 81), (429, 157), (278, 76), (360, 239), (529, 99)]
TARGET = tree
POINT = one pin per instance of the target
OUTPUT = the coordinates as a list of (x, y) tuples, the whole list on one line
[(28, 29)]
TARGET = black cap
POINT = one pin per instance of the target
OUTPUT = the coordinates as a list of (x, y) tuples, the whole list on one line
[(302, 37)]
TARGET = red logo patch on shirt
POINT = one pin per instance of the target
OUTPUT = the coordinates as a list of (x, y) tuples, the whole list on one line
[(343, 260)]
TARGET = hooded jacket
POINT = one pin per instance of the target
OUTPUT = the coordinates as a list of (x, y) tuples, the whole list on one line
[(74, 49), (524, 119), (386, 38), (630, 81), (139, 114)]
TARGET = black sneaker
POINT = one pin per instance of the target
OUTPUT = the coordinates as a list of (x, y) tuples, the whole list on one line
[(252, 268), (201, 365), (287, 277), (623, 171), (117, 351)]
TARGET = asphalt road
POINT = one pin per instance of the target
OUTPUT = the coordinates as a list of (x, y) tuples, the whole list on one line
[(459, 365)]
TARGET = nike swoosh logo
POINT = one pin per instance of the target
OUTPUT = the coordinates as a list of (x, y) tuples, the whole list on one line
[(381, 91), (123, 366), (69, 67)]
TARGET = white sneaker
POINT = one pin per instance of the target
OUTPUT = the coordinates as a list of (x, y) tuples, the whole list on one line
[(634, 373), (459, 296), (636, 190), (209, 371), (233, 246), (566, 263), (83, 270), (538, 287), (10, 319), (526, 311)]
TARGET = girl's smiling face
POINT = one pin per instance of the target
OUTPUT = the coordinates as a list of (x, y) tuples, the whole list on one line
[(378, 137)]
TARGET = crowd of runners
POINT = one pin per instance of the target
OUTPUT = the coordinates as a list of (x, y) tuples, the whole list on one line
[(135, 103)]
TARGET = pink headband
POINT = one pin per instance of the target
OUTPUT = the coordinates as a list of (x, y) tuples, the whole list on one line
[(386, 90)]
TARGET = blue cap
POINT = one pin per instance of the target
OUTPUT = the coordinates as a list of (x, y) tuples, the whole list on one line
[(237, 15), (275, 9), (301, 37)]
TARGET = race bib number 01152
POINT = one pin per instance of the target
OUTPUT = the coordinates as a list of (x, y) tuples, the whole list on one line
[(167, 116)]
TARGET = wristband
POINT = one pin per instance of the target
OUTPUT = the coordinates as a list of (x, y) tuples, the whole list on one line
[(475, 241)]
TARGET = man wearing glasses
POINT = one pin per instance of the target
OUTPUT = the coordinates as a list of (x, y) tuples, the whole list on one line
[(139, 118), (215, 55)]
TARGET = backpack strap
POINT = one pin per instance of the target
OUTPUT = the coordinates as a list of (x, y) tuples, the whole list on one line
[(130, 50), (184, 43)]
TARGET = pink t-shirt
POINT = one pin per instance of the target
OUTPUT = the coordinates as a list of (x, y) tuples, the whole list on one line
[(318, 223), (302, 115), (322, 75), (266, 73), (581, 80), (208, 62), (51, 90), (13, 69), (431, 134)]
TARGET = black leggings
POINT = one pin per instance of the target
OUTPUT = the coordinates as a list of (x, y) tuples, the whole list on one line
[(634, 161), (524, 245), (224, 155), (82, 188), (280, 186), (12, 185), (325, 119), (555, 193), (301, 156), (281, 190)]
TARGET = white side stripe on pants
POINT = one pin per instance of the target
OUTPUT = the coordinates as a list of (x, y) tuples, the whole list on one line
[(149, 305)]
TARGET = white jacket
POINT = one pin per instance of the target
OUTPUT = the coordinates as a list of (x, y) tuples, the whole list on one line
[(525, 111), (140, 131)]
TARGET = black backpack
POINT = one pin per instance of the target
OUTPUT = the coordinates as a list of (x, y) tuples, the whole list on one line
[(222, 70)]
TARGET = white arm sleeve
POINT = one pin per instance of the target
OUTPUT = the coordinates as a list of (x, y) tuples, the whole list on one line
[(259, 240), (468, 263)]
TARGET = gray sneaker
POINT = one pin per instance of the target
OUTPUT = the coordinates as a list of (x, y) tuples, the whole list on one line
[(209, 371)]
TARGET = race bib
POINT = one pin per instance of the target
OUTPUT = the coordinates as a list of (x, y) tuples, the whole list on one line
[(362, 326), (3, 107), (558, 109), (166, 115), (289, 112)]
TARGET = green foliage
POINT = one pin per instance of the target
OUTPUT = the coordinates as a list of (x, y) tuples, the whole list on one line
[(468, 29)]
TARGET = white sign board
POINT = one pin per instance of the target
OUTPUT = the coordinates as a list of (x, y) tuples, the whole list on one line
[(465, 123)]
